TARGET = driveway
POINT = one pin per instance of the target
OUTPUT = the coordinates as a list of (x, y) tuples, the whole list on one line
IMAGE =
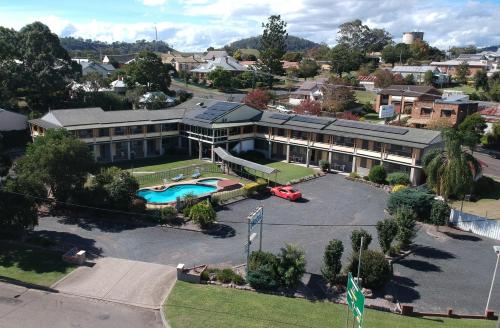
[(27, 308), (124, 281)]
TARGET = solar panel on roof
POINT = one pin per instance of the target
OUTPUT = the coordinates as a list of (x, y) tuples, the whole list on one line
[(222, 106), (313, 120), (371, 127), (281, 116)]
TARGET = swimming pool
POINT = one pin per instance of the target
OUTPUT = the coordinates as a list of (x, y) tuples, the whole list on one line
[(210, 181), (171, 193)]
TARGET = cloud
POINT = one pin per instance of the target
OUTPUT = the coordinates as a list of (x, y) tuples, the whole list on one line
[(198, 24), (154, 2)]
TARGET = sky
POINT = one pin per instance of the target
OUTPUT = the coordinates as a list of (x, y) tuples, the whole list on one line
[(194, 25)]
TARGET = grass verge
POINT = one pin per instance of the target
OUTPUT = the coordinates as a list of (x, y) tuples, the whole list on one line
[(32, 265), (206, 306)]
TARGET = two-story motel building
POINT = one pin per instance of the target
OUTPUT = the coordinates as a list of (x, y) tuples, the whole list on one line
[(198, 126)]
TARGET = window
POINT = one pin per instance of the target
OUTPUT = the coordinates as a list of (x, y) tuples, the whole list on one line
[(280, 132), (262, 129), (119, 131), (363, 162), (103, 132), (425, 111), (377, 146), (384, 100), (447, 112), (87, 133), (153, 128), (171, 127), (248, 129), (137, 129), (299, 135), (234, 131), (365, 145), (322, 138), (400, 150)]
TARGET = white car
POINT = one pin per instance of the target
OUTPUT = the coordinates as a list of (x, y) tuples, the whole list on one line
[(283, 109)]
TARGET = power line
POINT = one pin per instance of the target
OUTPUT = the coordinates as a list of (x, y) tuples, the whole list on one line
[(303, 225)]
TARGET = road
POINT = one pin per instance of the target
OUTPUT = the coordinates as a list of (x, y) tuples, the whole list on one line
[(492, 167)]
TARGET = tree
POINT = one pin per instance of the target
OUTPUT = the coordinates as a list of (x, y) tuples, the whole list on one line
[(114, 188), (492, 139), (419, 50), (58, 160), (345, 59), (332, 263), (203, 214), (308, 68), (257, 98), (450, 171), (273, 46), (338, 98), (221, 79), (386, 230), (291, 265), (377, 174), (374, 270), (428, 77), (385, 78), (440, 213), (406, 221), (396, 53), (293, 56), (481, 81), (322, 52), (472, 129), (361, 38), (147, 69), (18, 212), (308, 107), (462, 72), (94, 80), (5, 161), (456, 51), (409, 79), (356, 236)]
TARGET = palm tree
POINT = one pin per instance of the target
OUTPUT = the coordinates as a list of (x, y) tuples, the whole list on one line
[(451, 171)]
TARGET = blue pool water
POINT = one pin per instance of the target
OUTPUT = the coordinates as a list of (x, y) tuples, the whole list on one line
[(171, 193), (210, 181)]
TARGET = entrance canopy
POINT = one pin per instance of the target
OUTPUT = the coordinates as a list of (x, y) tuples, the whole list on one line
[(226, 157)]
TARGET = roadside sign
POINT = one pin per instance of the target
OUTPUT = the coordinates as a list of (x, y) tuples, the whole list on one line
[(386, 111), (256, 217), (355, 300)]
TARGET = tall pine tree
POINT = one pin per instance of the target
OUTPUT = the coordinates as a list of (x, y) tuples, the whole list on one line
[(273, 46)]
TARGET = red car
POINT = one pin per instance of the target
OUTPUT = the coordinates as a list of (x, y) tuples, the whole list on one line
[(286, 192)]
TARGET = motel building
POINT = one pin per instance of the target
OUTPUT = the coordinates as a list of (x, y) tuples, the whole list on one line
[(198, 126)]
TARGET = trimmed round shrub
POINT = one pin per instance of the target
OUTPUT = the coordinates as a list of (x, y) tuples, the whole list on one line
[(386, 230), (332, 263), (168, 213), (440, 213), (398, 178), (291, 265), (203, 214), (419, 200), (260, 258), (356, 239), (377, 174), (398, 187), (375, 269), (324, 165), (406, 221), (263, 278)]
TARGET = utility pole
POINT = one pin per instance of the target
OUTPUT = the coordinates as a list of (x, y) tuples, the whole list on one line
[(156, 39)]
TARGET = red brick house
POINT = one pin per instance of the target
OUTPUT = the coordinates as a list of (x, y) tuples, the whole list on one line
[(404, 96), (452, 110)]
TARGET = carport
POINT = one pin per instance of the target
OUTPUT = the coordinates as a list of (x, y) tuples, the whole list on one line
[(243, 166)]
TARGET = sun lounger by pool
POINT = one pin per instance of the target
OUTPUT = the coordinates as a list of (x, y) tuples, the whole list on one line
[(196, 174), (178, 177)]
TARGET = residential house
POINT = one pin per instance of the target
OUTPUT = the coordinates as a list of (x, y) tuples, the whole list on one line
[(450, 66), (249, 64), (226, 63), (491, 115), (105, 70), (418, 72), (12, 121), (309, 90), (199, 126), (158, 97), (119, 60), (181, 63), (404, 96), (289, 65), (118, 86), (367, 81), (451, 109), (213, 54)]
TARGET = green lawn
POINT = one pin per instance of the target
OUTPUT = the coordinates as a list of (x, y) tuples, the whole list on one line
[(157, 164), (206, 306), (287, 171), (488, 206), (364, 97), (32, 265), (468, 89)]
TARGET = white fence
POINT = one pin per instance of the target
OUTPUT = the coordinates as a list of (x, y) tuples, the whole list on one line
[(475, 224)]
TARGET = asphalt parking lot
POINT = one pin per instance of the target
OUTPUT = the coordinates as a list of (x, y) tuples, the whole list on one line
[(454, 272)]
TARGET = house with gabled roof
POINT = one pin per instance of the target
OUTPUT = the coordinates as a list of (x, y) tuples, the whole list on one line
[(226, 63)]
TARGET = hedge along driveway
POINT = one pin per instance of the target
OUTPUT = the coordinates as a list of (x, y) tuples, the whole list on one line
[(205, 306)]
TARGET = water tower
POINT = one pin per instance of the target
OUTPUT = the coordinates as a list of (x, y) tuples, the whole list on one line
[(410, 37)]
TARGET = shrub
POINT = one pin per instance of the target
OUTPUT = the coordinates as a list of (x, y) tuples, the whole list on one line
[(261, 185), (324, 165), (238, 280), (168, 213), (186, 211), (291, 265), (398, 178), (251, 188), (419, 200), (332, 263), (440, 213), (260, 258), (225, 276), (377, 174), (405, 220), (354, 175), (386, 230), (398, 187), (263, 278), (484, 186), (356, 239), (203, 214), (375, 269), (138, 205)]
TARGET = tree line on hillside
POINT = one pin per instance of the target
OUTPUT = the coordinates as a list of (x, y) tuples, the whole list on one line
[(293, 43)]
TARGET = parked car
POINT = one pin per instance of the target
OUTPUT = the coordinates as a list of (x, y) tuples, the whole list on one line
[(283, 109), (286, 192)]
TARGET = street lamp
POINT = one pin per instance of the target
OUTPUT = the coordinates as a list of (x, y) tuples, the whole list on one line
[(497, 251)]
